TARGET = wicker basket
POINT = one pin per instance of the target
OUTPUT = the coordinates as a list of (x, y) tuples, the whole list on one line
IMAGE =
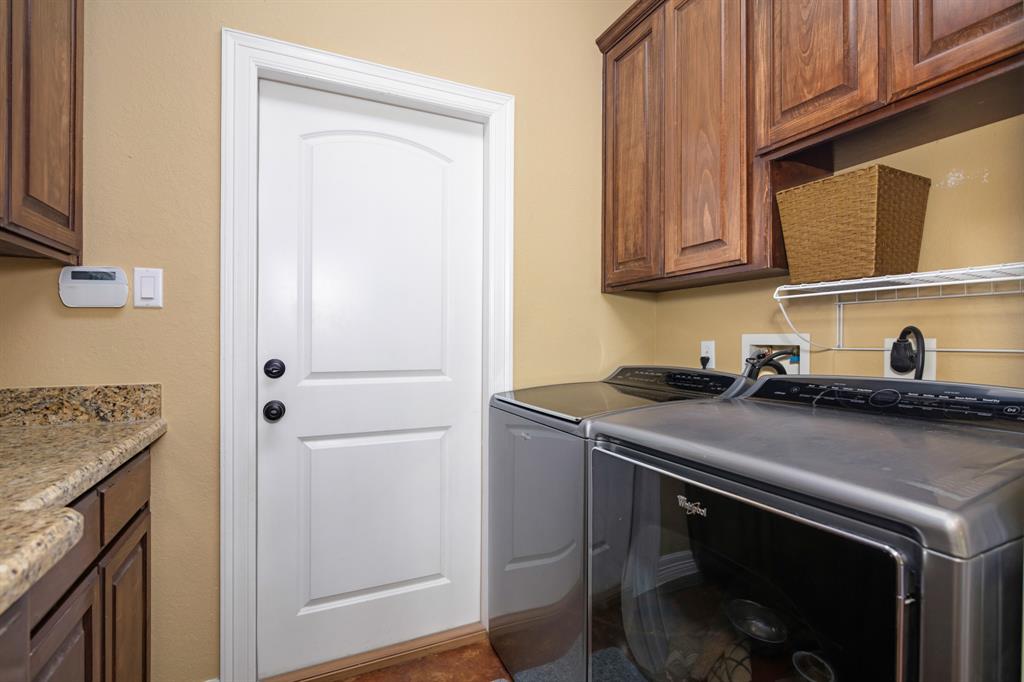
[(864, 223)]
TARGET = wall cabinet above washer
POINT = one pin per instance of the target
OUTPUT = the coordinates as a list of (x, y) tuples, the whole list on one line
[(712, 106), (676, 157)]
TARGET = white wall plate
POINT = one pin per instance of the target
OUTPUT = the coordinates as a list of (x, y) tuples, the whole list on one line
[(149, 287), (749, 341)]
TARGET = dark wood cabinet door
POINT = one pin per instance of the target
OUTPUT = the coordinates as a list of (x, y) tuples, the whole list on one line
[(125, 575), (935, 40), (816, 62), (46, 119), (705, 168), (14, 643), (68, 647), (633, 140), (5, 110)]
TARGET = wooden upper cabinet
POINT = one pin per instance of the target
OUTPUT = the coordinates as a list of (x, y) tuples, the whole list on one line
[(816, 62), (935, 40), (633, 153), (705, 149), (45, 172)]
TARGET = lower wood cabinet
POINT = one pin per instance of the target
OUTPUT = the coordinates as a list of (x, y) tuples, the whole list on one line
[(125, 575), (68, 646), (87, 619)]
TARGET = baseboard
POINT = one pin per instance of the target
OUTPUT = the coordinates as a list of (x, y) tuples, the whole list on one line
[(350, 666)]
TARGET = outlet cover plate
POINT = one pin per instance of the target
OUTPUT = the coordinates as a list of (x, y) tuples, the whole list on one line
[(708, 348)]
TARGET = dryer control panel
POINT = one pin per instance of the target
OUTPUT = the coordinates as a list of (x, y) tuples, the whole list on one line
[(677, 379), (997, 406)]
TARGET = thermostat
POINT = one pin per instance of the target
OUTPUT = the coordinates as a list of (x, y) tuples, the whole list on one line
[(93, 286)]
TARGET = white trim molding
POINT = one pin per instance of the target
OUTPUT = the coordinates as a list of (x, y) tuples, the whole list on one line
[(246, 59)]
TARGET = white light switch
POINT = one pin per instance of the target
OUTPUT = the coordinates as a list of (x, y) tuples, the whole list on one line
[(149, 287)]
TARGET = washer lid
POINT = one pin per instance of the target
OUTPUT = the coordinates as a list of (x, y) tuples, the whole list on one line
[(576, 402), (961, 487)]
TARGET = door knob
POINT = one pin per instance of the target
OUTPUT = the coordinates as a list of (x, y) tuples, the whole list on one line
[(273, 410), (274, 368)]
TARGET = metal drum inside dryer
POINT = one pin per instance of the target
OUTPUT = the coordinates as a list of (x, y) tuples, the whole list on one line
[(537, 512), (817, 528)]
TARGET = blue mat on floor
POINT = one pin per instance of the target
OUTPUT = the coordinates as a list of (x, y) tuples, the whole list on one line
[(606, 665)]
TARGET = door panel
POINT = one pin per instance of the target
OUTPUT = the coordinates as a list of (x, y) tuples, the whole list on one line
[(817, 62), (364, 191), (360, 477), (705, 101), (936, 40), (46, 154), (634, 74), (711, 587), (125, 573), (68, 646), (370, 261)]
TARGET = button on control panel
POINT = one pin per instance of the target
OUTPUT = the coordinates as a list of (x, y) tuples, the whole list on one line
[(1002, 407)]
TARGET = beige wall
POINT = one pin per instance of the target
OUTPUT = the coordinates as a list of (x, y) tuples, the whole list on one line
[(975, 217), (152, 154), (152, 199)]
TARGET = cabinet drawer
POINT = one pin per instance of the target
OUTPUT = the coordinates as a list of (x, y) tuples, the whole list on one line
[(123, 494), (59, 579)]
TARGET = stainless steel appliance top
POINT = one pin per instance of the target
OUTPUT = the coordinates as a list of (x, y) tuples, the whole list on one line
[(627, 388), (946, 460)]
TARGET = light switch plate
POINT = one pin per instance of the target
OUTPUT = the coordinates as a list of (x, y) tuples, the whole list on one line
[(148, 288)]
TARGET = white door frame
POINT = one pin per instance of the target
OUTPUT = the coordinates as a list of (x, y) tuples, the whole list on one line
[(245, 59)]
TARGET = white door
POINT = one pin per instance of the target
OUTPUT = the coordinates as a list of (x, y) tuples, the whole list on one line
[(370, 292)]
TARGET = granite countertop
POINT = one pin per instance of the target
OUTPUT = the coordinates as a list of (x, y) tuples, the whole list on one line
[(55, 444)]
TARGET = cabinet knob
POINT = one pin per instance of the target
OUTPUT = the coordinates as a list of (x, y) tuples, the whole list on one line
[(273, 410), (274, 368)]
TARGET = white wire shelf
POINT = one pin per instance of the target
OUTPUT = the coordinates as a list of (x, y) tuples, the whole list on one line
[(955, 283), (985, 280)]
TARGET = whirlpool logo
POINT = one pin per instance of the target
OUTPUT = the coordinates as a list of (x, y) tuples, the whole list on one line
[(692, 507)]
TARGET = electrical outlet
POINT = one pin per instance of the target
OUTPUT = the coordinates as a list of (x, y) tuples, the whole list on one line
[(930, 359), (707, 349)]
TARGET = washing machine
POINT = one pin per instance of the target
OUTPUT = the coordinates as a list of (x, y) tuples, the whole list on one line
[(537, 522), (816, 528)]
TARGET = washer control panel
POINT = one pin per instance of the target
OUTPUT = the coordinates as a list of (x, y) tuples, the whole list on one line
[(999, 406), (676, 379)]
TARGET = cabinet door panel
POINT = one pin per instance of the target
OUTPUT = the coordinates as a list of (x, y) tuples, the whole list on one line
[(14, 643), (705, 102), (125, 573), (46, 119), (633, 123), (818, 62), (936, 40), (68, 646)]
